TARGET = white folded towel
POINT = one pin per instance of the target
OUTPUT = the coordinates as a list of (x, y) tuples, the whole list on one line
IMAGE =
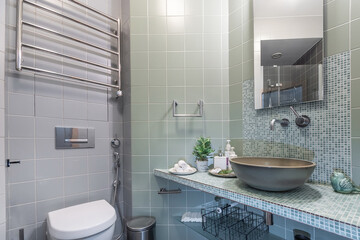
[(178, 168), (191, 217)]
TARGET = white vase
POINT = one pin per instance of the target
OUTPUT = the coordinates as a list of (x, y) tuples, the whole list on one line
[(202, 166)]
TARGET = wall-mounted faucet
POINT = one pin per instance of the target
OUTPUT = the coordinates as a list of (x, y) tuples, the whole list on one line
[(283, 122), (301, 120)]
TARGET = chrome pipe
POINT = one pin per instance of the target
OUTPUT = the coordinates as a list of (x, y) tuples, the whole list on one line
[(19, 14), (201, 108), (69, 76), (69, 57), (69, 18), (119, 93), (95, 10), (68, 37)]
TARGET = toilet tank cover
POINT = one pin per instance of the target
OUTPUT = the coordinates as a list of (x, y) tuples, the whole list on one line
[(81, 221)]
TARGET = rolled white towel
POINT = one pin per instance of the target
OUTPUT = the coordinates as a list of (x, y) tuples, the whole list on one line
[(183, 164), (178, 168), (191, 217)]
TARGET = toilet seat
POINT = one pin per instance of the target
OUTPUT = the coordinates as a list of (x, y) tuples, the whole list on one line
[(81, 221)]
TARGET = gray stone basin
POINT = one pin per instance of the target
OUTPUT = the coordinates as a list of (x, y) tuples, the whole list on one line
[(272, 174)]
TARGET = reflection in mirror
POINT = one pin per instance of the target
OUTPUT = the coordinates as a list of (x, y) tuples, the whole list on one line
[(288, 52)]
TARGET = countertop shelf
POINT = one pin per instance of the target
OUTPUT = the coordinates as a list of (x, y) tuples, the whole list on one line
[(197, 227), (313, 204)]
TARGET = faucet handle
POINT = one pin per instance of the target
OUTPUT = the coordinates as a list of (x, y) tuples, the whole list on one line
[(301, 120)]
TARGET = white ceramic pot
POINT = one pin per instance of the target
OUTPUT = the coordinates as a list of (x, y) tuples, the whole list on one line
[(202, 166)]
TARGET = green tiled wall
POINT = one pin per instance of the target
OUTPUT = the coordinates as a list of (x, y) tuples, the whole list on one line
[(179, 51)]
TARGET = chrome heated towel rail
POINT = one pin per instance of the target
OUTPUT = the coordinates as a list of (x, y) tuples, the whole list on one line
[(116, 83)]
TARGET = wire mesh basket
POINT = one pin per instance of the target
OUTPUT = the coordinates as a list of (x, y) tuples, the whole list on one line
[(232, 223)]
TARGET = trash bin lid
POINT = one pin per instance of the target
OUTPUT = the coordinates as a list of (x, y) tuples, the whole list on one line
[(143, 223)]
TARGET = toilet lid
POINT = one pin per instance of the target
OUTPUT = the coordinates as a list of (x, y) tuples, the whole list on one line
[(81, 220)]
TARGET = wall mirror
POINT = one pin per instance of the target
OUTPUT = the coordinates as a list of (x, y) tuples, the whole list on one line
[(288, 52)]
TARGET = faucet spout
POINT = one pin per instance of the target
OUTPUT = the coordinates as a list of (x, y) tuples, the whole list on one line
[(283, 122)]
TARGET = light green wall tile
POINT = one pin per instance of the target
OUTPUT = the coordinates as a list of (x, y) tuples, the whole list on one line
[(139, 60), (337, 40), (176, 93), (156, 183), (194, 60), (157, 42), (212, 95), (235, 19), (195, 199), (213, 129), (175, 77), (157, 77), (212, 59), (248, 70), (140, 199), (140, 164), (236, 111), (247, 13), (194, 7), (175, 42), (194, 42), (157, 60), (159, 200), (235, 92), (139, 94), (355, 151), (158, 129), (212, 7), (236, 129), (337, 13), (194, 94), (175, 60), (212, 42), (355, 60), (248, 31), (212, 24), (158, 146), (213, 111), (234, 5), (157, 25), (140, 212), (194, 77), (355, 118), (175, 25), (157, 94), (177, 129), (235, 74), (355, 34), (138, 25), (161, 214), (235, 56), (139, 112), (176, 146), (139, 130), (157, 112), (194, 24), (139, 43), (194, 129), (355, 9), (248, 51), (235, 37), (138, 8), (139, 146), (355, 96), (158, 162), (212, 77), (157, 7), (139, 77)]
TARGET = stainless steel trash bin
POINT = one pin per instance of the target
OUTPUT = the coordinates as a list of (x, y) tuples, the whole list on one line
[(141, 228)]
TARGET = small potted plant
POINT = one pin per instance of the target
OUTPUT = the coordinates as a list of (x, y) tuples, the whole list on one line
[(202, 150)]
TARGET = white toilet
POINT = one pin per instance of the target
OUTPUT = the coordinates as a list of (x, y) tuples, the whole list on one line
[(90, 221)]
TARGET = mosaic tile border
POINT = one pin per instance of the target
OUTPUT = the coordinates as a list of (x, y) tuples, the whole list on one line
[(313, 204), (327, 139)]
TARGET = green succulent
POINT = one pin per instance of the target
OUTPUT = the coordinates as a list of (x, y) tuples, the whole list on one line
[(202, 149)]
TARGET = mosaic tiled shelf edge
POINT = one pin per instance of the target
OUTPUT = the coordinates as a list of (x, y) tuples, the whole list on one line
[(329, 211)]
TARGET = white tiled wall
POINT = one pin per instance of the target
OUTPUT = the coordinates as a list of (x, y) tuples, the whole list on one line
[(2, 123)]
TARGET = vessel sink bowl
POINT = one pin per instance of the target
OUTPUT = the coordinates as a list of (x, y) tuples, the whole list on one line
[(272, 174)]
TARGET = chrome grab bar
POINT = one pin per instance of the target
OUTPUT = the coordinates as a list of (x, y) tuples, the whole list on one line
[(200, 104), (72, 140)]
